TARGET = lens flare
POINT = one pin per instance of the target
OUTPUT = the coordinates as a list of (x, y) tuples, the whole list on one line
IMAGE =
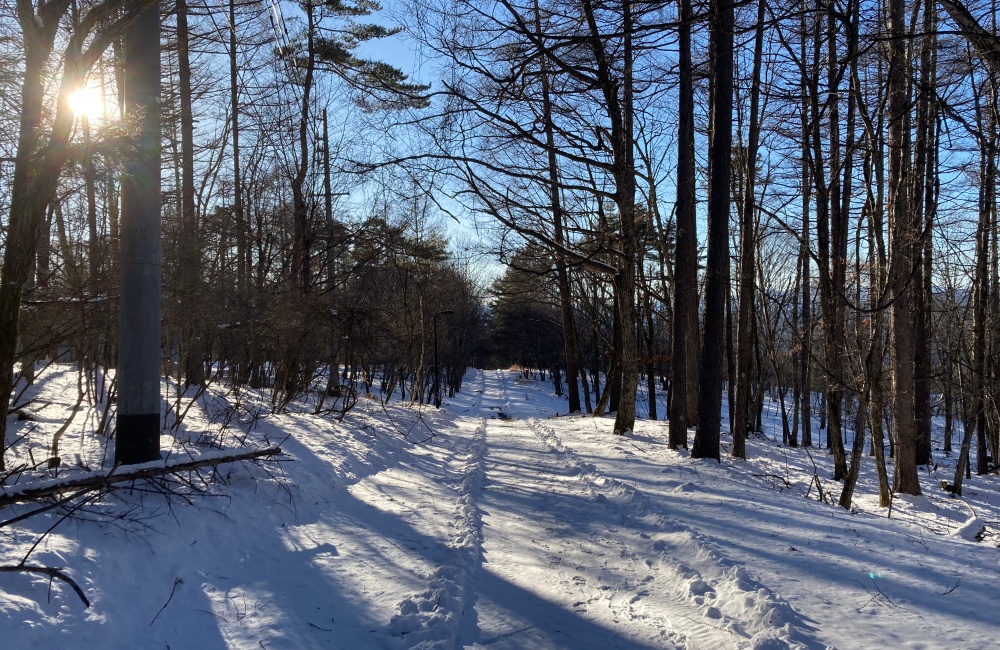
[(86, 102)]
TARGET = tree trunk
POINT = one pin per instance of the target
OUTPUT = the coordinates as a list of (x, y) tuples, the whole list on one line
[(924, 206), (301, 276), (980, 317), (193, 361), (857, 448), (618, 97), (706, 442), (242, 250), (838, 257), (748, 249), (684, 343), (805, 329), (94, 242), (904, 233), (562, 272)]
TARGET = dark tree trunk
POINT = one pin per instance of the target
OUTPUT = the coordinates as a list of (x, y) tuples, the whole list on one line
[(924, 176), (905, 234), (562, 272), (706, 442), (301, 276), (829, 224), (94, 243), (242, 250), (805, 312), (748, 249), (618, 96), (980, 315), (684, 364), (836, 333)]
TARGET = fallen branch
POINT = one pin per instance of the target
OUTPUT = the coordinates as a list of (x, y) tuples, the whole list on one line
[(51, 573), (40, 510), (93, 481), (177, 581), (776, 477)]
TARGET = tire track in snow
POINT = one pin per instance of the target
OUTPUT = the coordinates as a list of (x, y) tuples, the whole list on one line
[(553, 574), (432, 618), (504, 407), (729, 608)]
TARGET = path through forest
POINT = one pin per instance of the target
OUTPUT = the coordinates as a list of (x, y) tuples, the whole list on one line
[(533, 547), (556, 530), (496, 523)]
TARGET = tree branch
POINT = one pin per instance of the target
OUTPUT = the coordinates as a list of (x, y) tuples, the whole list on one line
[(51, 572), (147, 470), (985, 43)]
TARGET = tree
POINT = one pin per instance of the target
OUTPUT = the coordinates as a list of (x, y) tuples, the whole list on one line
[(904, 237), (43, 150), (925, 173), (706, 441), (685, 339), (986, 44), (571, 354), (748, 251)]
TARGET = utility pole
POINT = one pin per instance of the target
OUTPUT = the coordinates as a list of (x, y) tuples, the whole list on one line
[(138, 419)]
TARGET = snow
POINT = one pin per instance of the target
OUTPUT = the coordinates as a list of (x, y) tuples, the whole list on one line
[(512, 526)]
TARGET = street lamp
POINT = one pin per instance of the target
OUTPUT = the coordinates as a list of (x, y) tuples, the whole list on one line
[(437, 368)]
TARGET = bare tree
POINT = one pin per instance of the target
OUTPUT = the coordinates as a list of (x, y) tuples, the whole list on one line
[(43, 150), (706, 441)]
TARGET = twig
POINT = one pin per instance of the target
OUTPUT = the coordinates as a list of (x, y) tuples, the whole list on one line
[(819, 486), (775, 476), (177, 581), (67, 514), (311, 624), (878, 596), (950, 588)]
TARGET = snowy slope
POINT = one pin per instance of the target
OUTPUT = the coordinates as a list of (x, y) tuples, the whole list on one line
[(509, 527)]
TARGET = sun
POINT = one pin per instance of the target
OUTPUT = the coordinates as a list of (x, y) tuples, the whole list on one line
[(86, 102)]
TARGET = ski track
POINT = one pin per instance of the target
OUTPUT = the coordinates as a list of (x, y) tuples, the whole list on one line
[(479, 526), (682, 584), (530, 567), (432, 618)]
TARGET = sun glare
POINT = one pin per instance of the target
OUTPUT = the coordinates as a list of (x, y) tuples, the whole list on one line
[(86, 102)]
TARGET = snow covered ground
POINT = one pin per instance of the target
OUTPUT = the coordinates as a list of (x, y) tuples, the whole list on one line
[(494, 522)]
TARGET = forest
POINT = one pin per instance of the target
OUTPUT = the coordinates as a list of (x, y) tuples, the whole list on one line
[(742, 220)]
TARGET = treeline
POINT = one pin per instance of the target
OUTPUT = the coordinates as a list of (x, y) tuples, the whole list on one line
[(836, 159), (707, 196), (279, 271)]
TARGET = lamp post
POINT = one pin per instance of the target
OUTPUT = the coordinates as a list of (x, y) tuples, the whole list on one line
[(437, 368)]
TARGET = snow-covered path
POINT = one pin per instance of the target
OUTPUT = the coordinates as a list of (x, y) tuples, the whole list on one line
[(496, 523), (498, 535), (558, 532)]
